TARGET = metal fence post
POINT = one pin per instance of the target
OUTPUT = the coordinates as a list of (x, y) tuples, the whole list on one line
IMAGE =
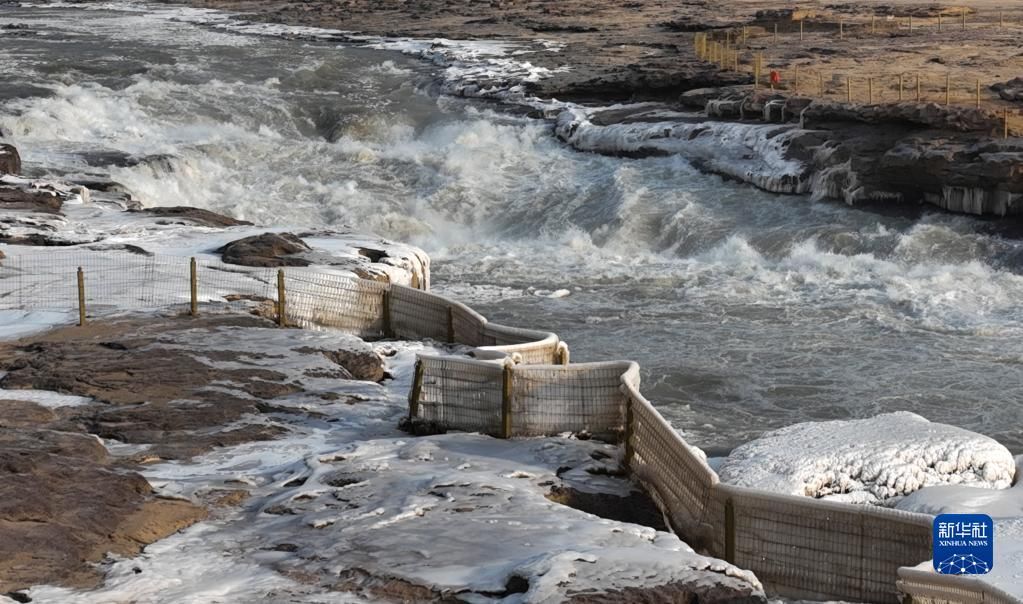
[(81, 297), (730, 531), (193, 287), (417, 390), (282, 302), (506, 400)]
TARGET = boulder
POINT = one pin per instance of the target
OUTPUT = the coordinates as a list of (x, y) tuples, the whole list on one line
[(268, 249), (36, 200), (197, 216), (10, 159), (1011, 90), (877, 460), (361, 364)]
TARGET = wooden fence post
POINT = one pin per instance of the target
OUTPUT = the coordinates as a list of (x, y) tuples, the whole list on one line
[(795, 79), (282, 302), (978, 93), (81, 297), (730, 531), (901, 85), (629, 432), (870, 91), (506, 400), (193, 289), (801, 30), (918, 96), (417, 390), (848, 89), (939, 20), (964, 18), (756, 72), (948, 89), (1005, 123), (820, 83), (841, 29), (385, 313)]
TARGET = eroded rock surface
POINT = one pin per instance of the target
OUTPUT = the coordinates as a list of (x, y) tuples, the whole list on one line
[(10, 159), (64, 505), (268, 249)]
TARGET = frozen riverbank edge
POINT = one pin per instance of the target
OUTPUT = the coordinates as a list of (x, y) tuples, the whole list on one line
[(882, 154), (279, 449)]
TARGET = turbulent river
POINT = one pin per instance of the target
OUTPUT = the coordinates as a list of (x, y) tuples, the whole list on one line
[(747, 311)]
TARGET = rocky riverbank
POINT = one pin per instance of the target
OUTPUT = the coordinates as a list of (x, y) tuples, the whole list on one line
[(592, 54)]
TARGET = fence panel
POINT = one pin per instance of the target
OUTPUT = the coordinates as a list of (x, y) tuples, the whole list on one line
[(341, 302), (467, 325), (806, 548), (677, 477), (417, 314), (551, 399), (462, 394), (928, 585), (534, 347)]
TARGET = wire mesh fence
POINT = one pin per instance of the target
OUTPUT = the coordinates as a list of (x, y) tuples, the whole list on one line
[(751, 50), (581, 398), (796, 546)]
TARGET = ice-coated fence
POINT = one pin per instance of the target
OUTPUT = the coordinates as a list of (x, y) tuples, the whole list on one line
[(508, 399), (922, 585), (98, 281), (520, 384)]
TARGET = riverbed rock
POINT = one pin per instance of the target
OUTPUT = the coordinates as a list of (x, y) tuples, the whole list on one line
[(197, 216), (23, 198), (1011, 90), (361, 364), (10, 159), (927, 115), (63, 507), (876, 460), (268, 249)]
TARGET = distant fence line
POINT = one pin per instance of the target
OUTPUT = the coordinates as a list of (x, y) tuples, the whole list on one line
[(515, 386), (728, 50)]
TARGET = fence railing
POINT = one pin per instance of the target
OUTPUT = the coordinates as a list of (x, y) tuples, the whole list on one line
[(96, 283), (798, 547), (732, 49)]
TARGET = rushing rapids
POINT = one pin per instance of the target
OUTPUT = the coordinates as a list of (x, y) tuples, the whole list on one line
[(746, 310)]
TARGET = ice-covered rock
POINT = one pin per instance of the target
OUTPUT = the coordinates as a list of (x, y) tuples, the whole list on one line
[(868, 461)]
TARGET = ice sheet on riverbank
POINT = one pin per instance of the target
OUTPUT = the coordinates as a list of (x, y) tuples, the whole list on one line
[(342, 502), (876, 460)]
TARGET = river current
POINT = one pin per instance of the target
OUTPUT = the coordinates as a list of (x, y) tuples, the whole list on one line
[(747, 311)]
